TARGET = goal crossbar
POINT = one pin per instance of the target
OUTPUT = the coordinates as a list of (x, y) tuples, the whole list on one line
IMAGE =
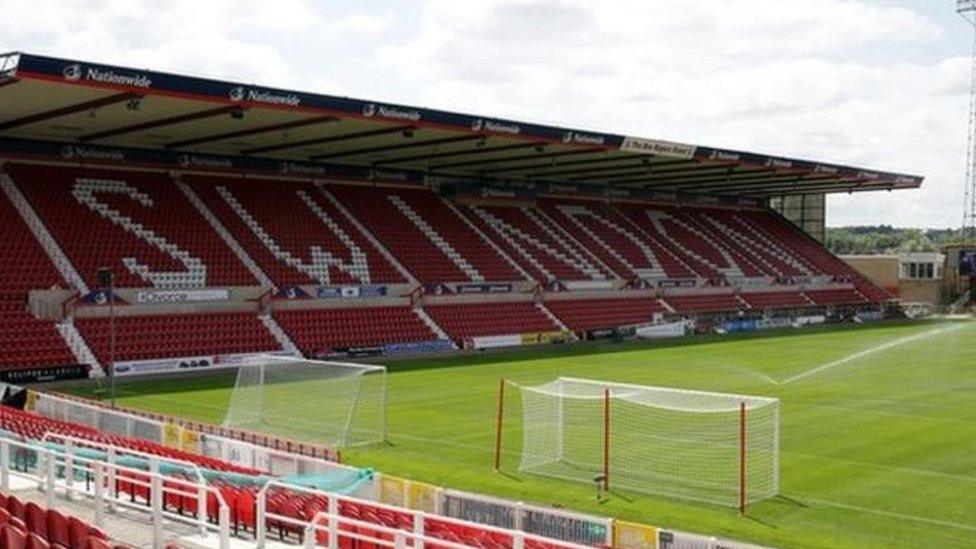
[(340, 404), (700, 445)]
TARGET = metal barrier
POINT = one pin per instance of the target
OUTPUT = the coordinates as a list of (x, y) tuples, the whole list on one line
[(40, 464), (327, 525)]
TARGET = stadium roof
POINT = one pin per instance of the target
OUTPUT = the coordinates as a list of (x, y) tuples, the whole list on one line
[(44, 99)]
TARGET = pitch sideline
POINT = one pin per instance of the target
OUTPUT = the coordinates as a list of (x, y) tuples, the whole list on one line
[(876, 349), (891, 514)]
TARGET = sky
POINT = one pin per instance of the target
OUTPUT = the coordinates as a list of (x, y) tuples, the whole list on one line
[(875, 83)]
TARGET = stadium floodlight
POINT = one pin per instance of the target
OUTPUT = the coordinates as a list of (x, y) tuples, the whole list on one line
[(340, 404), (711, 447), (964, 7), (967, 10)]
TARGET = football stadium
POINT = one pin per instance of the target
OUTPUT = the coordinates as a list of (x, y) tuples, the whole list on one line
[(239, 316)]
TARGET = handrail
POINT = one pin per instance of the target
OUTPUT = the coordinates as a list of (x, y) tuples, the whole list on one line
[(107, 474), (335, 519), (113, 449)]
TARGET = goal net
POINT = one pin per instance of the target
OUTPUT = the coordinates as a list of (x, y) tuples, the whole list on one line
[(712, 447), (336, 403)]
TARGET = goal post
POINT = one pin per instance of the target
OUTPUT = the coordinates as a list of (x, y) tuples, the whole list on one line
[(713, 447), (340, 404)]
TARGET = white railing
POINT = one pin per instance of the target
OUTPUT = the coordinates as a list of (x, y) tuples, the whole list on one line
[(41, 465), (330, 525)]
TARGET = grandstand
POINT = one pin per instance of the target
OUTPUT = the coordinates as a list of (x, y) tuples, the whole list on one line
[(240, 220)]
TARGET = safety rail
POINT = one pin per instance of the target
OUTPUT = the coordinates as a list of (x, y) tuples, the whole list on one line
[(112, 452), (327, 525), (106, 481), (491, 512)]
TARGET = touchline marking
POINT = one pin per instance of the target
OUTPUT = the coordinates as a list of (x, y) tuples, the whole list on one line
[(872, 350), (892, 514), (753, 373)]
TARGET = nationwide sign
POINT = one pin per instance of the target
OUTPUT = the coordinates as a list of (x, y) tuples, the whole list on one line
[(77, 71), (143, 82), (243, 93)]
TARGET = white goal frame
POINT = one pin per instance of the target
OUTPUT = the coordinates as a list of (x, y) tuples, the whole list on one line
[(360, 398), (629, 436)]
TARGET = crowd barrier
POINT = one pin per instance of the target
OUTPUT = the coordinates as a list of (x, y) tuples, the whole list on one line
[(575, 529)]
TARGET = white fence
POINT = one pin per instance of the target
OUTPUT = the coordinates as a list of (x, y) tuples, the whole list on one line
[(422, 501), (44, 465), (238, 452)]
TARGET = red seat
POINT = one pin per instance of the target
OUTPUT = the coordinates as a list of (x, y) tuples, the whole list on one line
[(35, 518), (35, 541), (12, 537), (78, 531), (57, 528)]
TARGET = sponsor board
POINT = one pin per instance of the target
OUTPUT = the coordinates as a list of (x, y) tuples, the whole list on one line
[(588, 284), (102, 297), (487, 288), (744, 325), (651, 331), (584, 138), (210, 362), (487, 342), (349, 292), (70, 152), (78, 72), (821, 280), (417, 347), (292, 292), (631, 535), (749, 281), (35, 375), (351, 352), (437, 288), (667, 149), (544, 338), (770, 323), (808, 320), (678, 283), (373, 110), (182, 296), (207, 162), (869, 316), (270, 97), (486, 125)]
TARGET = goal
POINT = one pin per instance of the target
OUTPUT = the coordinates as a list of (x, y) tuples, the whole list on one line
[(335, 403), (711, 447)]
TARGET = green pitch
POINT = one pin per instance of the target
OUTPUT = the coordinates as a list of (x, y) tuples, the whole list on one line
[(878, 428)]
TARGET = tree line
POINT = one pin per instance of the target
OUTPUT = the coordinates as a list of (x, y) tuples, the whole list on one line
[(885, 239)]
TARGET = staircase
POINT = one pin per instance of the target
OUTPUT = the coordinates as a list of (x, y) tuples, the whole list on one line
[(81, 350), (655, 218), (516, 237), (434, 327), (515, 265), (436, 238), (225, 235), (279, 334), (573, 212), (47, 242), (369, 236), (555, 320)]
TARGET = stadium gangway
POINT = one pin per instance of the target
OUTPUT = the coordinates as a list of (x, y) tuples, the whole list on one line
[(157, 486), (330, 523)]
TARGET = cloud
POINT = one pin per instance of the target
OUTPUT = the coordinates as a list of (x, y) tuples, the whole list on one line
[(849, 81), (789, 77)]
